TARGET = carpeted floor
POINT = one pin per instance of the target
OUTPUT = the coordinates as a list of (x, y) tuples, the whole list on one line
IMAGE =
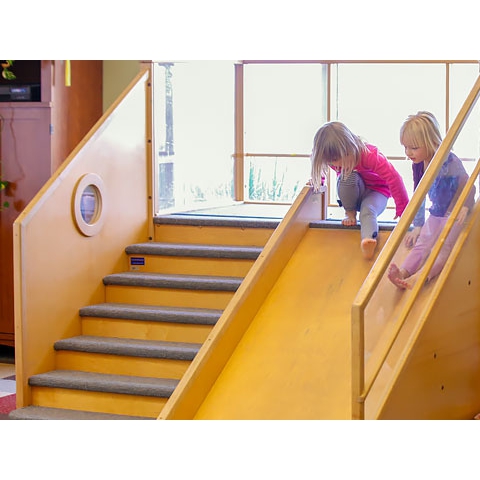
[(7, 404), (7, 381)]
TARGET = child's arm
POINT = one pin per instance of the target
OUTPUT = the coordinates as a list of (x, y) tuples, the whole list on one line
[(462, 215), (379, 164), (411, 237)]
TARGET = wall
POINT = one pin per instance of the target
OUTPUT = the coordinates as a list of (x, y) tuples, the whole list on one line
[(36, 138), (117, 74)]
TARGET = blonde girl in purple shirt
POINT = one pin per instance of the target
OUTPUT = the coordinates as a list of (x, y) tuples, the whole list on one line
[(420, 136), (365, 179)]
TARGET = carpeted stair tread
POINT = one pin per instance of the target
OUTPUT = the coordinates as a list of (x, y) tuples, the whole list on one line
[(34, 412), (187, 282), (202, 316), (130, 347), (104, 382), (194, 250), (333, 223), (216, 221)]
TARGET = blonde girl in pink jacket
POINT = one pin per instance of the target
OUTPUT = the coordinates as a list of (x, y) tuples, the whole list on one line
[(365, 179)]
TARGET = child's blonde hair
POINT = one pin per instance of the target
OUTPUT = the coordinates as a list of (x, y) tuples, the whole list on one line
[(421, 130), (334, 141)]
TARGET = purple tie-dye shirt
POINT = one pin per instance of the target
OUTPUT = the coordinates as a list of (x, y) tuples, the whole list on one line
[(445, 189)]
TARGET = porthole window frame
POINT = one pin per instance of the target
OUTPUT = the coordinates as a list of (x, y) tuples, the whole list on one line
[(93, 228)]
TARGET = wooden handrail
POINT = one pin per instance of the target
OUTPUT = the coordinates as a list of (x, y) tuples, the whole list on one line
[(359, 391), (422, 277)]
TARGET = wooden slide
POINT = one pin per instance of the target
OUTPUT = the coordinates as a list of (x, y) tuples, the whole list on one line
[(292, 359), (294, 362)]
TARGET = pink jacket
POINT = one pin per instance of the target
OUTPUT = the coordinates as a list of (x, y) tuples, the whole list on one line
[(380, 175)]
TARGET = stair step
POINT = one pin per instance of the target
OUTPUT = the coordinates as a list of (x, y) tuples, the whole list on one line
[(195, 250), (333, 223), (181, 259), (201, 229), (186, 282), (203, 316), (148, 322), (216, 221), (130, 347), (104, 382), (48, 413)]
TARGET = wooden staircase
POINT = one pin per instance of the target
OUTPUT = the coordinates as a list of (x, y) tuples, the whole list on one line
[(135, 347)]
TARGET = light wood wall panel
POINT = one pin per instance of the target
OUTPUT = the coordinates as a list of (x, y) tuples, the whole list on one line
[(58, 269)]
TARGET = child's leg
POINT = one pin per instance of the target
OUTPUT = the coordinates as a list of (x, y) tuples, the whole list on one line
[(350, 192), (422, 248), (446, 248), (372, 205), (406, 275)]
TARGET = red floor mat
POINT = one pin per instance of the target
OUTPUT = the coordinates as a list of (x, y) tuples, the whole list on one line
[(7, 404)]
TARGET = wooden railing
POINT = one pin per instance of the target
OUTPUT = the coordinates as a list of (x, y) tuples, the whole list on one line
[(362, 386)]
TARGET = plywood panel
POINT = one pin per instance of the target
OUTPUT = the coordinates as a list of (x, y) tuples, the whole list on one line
[(294, 360)]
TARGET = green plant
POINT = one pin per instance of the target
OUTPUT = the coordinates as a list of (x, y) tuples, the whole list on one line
[(7, 74), (3, 186)]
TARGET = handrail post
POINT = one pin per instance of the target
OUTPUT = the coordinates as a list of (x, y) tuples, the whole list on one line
[(358, 363)]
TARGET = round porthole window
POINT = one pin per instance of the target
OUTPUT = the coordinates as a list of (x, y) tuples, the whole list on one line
[(89, 204)]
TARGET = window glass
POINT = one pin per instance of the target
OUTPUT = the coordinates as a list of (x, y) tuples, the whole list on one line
[(194, 133), (285, 104), (275, 179), (467, 144), (89, 204), (373, 100)]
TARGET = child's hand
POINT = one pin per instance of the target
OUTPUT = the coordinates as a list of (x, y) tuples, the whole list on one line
[(462, 215), (411, 237), (321, 189)]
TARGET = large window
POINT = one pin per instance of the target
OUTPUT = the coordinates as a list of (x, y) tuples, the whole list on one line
[(282, 106)]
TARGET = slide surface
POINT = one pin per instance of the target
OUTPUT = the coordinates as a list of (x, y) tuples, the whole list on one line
[(294, 362)]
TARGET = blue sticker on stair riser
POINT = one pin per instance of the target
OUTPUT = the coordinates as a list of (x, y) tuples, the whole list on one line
[(136, 262)]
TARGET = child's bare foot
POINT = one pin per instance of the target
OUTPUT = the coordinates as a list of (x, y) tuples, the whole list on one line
[(350, 218), (396, 276), (368, 247), (411, 280)]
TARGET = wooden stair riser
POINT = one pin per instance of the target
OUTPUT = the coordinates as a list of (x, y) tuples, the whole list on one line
[(145, 330), (192, 265), (120, 365), (168, 297), (148, 328), (211, 235), (117, 403)]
